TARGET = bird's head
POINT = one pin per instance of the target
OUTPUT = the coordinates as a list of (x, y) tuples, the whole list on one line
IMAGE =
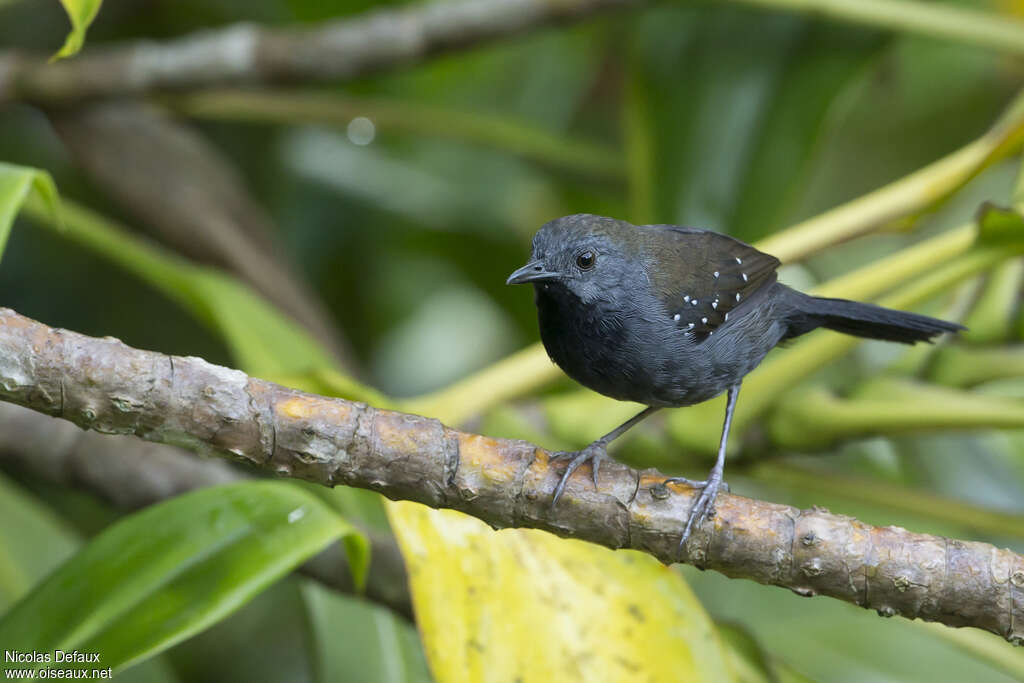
[(588, 255)]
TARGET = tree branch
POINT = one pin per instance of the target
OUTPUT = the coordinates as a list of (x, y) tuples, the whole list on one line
[(104, 385), (246, 53), (132, 474), (353, 47)]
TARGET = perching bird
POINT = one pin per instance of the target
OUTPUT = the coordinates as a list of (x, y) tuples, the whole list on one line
[(670, 316)]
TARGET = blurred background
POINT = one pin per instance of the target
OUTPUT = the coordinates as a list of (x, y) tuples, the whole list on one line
[(382, 214)]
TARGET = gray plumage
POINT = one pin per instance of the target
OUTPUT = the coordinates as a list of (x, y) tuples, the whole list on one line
[(669, 316)]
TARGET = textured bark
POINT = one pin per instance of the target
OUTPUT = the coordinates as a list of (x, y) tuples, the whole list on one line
[(104, 385), (247, 53), (132, 474)]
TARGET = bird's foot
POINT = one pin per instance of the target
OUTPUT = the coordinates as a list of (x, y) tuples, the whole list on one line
[(595, 453), (704, 507)]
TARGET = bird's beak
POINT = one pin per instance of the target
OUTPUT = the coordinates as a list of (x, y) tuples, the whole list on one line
[(534, 271)]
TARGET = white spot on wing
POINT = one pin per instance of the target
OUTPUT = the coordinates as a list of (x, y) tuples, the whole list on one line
[(676, 316)]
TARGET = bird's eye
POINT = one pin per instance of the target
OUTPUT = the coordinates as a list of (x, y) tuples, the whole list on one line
[(586, 260)]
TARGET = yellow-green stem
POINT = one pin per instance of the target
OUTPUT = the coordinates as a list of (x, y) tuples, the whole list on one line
[(991, 319), (515, 375), (965, 366), (936, 20), (885, 407), (880, 494)]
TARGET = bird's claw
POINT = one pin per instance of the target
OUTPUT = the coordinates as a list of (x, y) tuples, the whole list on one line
[(705, 504), (593, 453)]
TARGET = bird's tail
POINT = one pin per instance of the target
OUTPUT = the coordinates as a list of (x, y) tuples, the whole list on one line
[(862, 320)]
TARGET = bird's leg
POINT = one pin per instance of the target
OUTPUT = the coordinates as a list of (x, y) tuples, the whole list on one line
[(595, 452), (706, 501)]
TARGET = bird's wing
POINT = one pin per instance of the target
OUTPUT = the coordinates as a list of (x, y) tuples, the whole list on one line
[(704, 276)]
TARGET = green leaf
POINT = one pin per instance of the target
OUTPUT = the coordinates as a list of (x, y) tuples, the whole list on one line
[(999, 225), (81, 13), (986, 647), (354, 640), (263, 341), (749, 660), (165, 573), (16, 182), (362, 507), (269, 639), (32, 542), (828, 640)]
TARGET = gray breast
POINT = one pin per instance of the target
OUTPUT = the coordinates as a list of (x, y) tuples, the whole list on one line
[(634, 352)]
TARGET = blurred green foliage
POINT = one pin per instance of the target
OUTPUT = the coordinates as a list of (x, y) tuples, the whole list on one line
[(172, 576), (742, 120)]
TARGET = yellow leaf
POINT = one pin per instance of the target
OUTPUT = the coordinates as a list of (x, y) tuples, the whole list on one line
[(1009, 6), (81, 13), (524, 605)]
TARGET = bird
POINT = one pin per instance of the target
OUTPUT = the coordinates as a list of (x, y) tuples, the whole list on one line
[(670, 316)]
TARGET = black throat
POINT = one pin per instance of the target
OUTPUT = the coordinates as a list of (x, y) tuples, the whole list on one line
[(586, 340)]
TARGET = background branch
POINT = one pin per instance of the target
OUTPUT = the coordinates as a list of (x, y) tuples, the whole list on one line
[(354, 47), (104, 385), (247, 53)]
